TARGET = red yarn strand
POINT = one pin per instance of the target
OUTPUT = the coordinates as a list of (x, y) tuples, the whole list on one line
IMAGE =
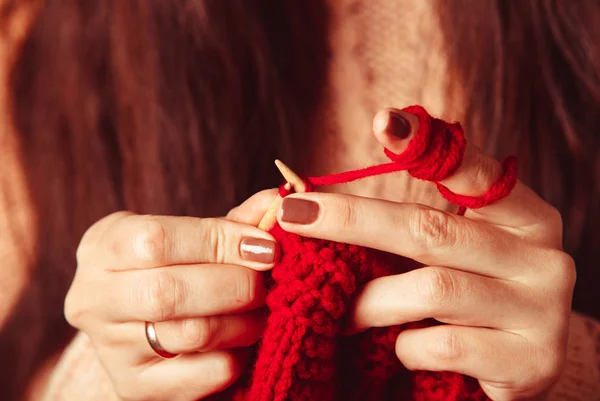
[(434, 153)]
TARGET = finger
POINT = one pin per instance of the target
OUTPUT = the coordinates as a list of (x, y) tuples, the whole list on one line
[(253, 209), (447, 295), (486, 354), (140, 242), (181, 292), (209, 333), (421, 233), (188, 377), (477, 173)]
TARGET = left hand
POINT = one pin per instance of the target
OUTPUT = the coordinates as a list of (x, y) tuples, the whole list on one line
[(497, 276)]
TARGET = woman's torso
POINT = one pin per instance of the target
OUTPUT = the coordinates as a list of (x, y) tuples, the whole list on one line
[(377, 62)]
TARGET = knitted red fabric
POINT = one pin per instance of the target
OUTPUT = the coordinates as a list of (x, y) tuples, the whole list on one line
[(302, 356)]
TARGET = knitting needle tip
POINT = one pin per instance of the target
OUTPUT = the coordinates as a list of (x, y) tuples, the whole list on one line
[(292, 178), (294, 183)]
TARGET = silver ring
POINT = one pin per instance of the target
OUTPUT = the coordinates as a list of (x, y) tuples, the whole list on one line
[(155, 344)]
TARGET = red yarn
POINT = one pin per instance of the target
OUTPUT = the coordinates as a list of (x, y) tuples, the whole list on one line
[(302, 355), (434, 153)]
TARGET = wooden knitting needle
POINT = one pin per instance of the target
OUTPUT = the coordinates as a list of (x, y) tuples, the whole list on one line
[(294, 183)]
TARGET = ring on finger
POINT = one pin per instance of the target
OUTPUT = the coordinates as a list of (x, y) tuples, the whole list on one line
[(155, 344)]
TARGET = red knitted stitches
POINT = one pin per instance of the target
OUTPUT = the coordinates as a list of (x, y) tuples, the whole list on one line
[(302, 356), (313, 285)]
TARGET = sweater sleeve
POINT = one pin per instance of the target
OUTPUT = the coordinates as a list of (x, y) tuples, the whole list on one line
[(580, 380), (79, 375)]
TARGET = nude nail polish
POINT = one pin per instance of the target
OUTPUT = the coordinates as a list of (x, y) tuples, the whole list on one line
[(299, 211), (259, 250)]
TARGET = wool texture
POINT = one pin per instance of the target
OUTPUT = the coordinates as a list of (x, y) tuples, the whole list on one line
[(302, 355)]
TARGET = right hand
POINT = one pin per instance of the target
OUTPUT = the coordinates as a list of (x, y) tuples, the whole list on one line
[(190, 277)]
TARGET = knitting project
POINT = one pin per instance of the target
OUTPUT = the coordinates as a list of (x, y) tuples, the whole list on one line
[(302, 355)]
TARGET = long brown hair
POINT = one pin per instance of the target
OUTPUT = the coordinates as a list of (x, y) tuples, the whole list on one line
[(178, 107), (529, 74), (164, 107)]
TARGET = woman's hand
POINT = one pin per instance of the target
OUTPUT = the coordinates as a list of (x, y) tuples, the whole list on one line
[(496, 276), (199, 280)]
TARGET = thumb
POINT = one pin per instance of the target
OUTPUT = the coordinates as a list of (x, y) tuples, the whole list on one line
[(478, 172), (254, 208)]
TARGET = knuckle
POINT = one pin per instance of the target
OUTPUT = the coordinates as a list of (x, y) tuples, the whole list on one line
[(448, 347), (216, 240), (162, 294), (80, 304), (150, 240), (201, 334), (485, 171), (72, 309), (561, 270), (348, 212), (88, 241), (248, 288), (554, 218), (565, 265), (549, 229), (549, 369), (556, 281), (87, 245), (436, 286), (233, 214), (431, 228), (84, 249)]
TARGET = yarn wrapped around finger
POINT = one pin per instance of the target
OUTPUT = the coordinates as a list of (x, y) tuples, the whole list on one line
[(302, 355)]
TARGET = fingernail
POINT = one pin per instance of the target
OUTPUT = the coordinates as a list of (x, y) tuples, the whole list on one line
[(299, 211), (398, 126), (259, 250)]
